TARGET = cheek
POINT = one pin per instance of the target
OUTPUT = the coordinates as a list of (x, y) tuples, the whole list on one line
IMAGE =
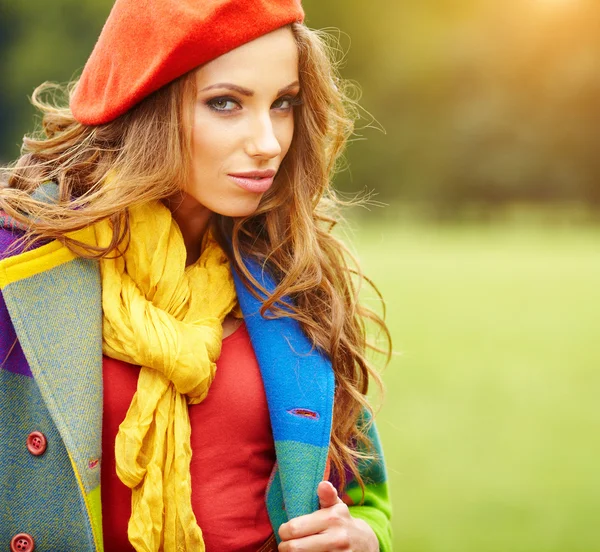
[(285, 135), (211, 143)]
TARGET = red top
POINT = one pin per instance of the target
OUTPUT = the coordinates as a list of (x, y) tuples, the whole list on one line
[(232, 452)]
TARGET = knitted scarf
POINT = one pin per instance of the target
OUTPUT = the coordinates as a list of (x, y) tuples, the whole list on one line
[(168, 319)]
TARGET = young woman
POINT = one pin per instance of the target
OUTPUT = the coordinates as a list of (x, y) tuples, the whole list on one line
[(183, 354)]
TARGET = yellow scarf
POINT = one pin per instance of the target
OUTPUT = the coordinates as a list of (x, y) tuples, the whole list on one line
[(168, 319)]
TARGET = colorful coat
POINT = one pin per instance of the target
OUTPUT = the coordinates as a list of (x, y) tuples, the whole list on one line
[(51, 382)]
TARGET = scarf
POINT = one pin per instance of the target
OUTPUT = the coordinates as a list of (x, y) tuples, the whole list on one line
[(168, 319)]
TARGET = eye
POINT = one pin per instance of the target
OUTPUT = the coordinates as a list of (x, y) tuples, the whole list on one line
[(223, 104), (285, 103)]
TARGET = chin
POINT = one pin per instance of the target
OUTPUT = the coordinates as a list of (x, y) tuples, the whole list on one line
[(236, 209)]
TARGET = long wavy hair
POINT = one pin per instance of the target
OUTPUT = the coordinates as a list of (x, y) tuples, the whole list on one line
[(291, 232)]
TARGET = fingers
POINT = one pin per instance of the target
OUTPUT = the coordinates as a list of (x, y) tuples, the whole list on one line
[(317, 522), (304, 526), (317, 543), (327, 494), (333, 513)]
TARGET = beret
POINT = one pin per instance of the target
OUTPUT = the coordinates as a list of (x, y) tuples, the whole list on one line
[(145, 44)]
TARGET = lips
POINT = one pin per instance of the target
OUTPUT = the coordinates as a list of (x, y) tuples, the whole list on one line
[(254, 181)]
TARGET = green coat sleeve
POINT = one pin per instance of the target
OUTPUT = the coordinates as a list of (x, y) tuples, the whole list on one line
[(376, 508)]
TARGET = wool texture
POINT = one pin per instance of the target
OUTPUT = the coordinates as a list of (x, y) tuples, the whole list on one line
[(54, 311), (168, 319), (50, 380)]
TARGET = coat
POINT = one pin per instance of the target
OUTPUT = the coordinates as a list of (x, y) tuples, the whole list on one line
[(51, 383)]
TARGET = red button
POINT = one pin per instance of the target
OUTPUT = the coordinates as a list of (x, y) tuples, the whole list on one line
[(22, 543), (36, 443)]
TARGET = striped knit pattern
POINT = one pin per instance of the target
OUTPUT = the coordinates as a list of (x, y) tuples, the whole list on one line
[(50, 381)]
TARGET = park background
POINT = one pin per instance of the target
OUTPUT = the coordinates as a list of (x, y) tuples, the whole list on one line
[(479, 142)]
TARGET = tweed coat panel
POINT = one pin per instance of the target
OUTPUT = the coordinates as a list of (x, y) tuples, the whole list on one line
[(38, 494)]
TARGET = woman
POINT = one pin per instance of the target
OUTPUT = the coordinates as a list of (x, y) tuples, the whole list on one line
[(176, 214)]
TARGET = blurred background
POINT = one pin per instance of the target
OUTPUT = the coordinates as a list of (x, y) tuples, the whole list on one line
[(486, 247)]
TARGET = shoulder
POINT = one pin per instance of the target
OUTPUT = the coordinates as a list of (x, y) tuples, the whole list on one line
[(12, 231)]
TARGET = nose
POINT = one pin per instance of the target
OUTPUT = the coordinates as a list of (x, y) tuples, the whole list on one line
[(263, 142)]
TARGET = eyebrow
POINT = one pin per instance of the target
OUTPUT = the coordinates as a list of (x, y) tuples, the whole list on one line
[(247, 92)]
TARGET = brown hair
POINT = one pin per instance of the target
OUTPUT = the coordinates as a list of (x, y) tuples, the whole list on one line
[(149, 148)]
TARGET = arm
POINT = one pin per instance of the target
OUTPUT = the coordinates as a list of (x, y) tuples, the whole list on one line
[(375, 509)]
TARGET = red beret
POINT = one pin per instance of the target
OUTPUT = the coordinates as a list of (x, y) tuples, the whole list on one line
[(146, 44)]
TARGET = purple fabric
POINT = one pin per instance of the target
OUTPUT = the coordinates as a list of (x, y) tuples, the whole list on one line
[(7, 238), (11, 354)]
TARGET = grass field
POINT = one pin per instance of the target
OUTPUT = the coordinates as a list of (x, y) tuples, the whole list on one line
[(491, 423)]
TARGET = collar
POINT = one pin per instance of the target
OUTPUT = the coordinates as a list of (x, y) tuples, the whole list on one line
[(54, 300)]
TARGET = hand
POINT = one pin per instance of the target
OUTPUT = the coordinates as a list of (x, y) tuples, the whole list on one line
[(332, 528)]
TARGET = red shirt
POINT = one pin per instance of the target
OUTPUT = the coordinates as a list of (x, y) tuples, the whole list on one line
[(232, 452)]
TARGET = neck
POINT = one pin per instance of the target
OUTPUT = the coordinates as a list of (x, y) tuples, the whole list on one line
[(193, 220)]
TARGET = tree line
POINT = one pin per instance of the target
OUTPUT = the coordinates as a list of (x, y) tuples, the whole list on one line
[(464, 101)]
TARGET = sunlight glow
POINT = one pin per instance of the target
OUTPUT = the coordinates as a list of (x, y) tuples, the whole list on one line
[(556, 2)]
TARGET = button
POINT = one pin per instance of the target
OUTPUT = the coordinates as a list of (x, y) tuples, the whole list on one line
[(22, 543), (36, 443)]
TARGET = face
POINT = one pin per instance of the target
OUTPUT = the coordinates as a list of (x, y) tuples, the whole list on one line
[(243, 123)]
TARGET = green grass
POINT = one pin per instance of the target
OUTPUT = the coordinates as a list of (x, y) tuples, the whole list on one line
[(491, 423)]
